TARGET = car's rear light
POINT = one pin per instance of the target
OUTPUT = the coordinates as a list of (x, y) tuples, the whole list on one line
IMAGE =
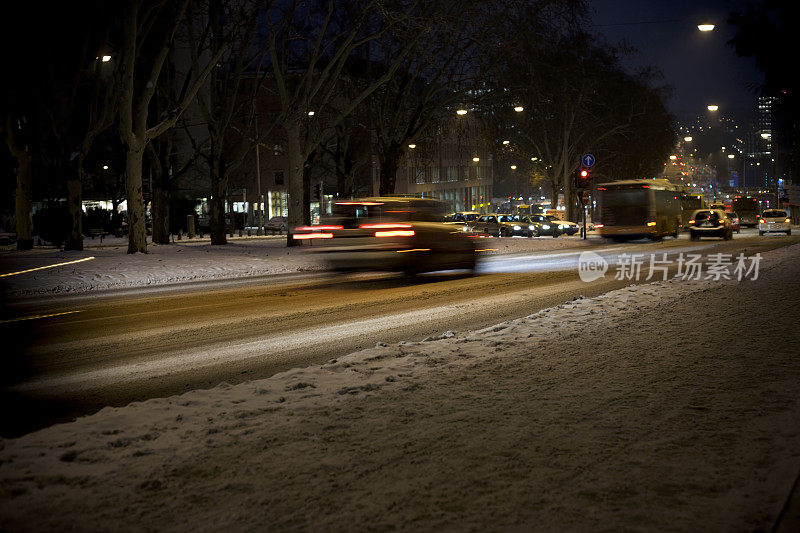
[(315, 228), (651, 223), (691, 222), (304, 236), (395, 233), (385, 225), (760, 220), (788, 220), (599, 225)]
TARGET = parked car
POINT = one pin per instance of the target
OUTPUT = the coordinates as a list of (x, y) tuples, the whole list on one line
[(498, 225), (734, 221), (519, 227), (463, 217), (564, 226), (774, 220), (390, 233), (276, 224), (710, 223), (543, 226)]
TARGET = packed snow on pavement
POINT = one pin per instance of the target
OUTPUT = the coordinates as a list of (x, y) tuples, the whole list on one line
[(638, 409)]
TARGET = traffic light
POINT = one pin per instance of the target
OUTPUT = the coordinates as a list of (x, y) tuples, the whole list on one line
[(583, 178)]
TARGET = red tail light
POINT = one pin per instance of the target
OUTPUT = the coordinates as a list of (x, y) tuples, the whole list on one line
[(599, 225), (760, 220), (788, 220), (691, 222), (651, 223)]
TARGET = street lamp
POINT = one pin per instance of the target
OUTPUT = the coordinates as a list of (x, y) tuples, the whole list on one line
[(713, 107), (310, 113), (476, 159), (688, 138), (513, 167), (461, 112), (519, 109), (412, 146), (705, 26)]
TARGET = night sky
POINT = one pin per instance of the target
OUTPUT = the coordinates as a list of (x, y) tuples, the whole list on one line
[(701, 66)]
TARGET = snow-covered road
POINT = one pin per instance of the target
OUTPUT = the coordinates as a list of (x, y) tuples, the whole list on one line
[(637, 409)]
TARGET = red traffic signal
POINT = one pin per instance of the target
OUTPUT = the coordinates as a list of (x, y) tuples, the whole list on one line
[(583, 178)]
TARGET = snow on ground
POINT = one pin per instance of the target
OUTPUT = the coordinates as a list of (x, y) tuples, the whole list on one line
[(637, 409), (187, 260)]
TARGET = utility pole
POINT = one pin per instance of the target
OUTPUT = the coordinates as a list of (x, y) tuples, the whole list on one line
[(260, 230)]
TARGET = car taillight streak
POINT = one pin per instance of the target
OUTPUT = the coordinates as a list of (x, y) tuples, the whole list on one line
[(395, 233), (385, 225), (304, 236), (315, 228)]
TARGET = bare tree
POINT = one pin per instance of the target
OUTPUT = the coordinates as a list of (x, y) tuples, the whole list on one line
[(311, 46), (148, 32)]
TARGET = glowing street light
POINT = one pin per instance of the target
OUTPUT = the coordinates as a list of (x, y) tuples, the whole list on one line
[(412, 146), (506, 142), (730, 156), (461, 112), (519, 109), (476, 158), (766, 135), (105, 59), (310, 113), (673, 157), (513, 167), (705, 26), (105, 167), (713, 107), (688, 138)]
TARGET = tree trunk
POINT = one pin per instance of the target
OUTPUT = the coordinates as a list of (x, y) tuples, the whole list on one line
[(160, 214), (74, 189), (569, 204), (22, 201), (137, 232), (295, 186), (390, 160), (219, 186)]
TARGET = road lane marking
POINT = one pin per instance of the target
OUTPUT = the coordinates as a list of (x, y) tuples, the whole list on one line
[(35, 317), (48, 266)]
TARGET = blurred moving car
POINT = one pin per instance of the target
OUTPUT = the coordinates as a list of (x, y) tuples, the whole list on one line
[(564, 226), (774, 220), (390, 233), (734, 221), (710, 223)]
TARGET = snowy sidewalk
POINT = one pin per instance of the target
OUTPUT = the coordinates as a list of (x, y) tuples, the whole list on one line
[(634, 410)]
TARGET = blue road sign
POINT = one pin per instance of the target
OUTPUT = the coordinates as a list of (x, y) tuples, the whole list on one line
[(588, 160)]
